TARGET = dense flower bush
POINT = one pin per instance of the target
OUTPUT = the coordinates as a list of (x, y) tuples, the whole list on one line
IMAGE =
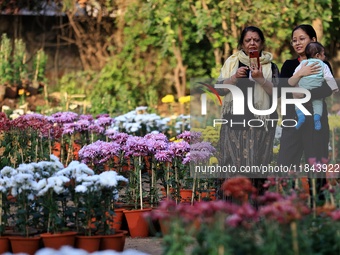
[(273, 223), (42, 190)]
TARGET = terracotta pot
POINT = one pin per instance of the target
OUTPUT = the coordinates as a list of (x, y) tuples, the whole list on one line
[(116, 222), (207, 195), (11, 92), (75, 149), (118, 219), (88, 243), (138, 225), (186, 195), (114, 242), (21, 244), (56, 241), (4, 244), (56, 149)]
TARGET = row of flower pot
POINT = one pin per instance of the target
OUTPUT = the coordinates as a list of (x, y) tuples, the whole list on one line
[(137, 224), (30, 245)]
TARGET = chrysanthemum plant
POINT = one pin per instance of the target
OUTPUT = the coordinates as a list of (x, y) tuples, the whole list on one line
[(4, 204), (26, 139), (52, 193), (22, 186), (135, 148), (94, 197)]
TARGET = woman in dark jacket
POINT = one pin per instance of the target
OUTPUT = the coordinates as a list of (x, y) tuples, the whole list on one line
[(307, 141)]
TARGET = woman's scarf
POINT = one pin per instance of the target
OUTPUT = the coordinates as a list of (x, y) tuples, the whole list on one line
[(261, 98)]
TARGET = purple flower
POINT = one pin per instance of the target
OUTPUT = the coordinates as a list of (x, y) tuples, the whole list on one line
[(99, 152), (156, 136), (180, 148), (164, 156), (186, 159), (202, 146), (190, 136), (116, 136), (97, 129), (86, 117), (156, 142), (135, 146), (82, 125), (199, 156), (69, 128), (63, 117), (104, 121)]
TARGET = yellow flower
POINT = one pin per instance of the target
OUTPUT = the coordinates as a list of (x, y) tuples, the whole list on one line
[(168, 99), (184, 100), (213, 160), (172, 139), (21, 92)]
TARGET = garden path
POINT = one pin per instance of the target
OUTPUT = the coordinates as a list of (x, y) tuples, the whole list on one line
[(149, 245)]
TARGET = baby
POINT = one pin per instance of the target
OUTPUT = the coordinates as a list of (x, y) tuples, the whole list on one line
[(315, 52)]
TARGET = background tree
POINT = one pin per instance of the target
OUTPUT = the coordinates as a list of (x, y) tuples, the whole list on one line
[(136, 51)]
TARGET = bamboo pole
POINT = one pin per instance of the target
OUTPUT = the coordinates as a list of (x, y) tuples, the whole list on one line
[(295, 241), (193, 189), (140, 183), (314, 196)]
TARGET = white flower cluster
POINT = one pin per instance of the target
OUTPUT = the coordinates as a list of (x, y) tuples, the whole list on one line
[(138, 119), (39, 178)]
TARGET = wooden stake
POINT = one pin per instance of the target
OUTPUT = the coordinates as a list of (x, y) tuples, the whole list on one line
[(295, 241)]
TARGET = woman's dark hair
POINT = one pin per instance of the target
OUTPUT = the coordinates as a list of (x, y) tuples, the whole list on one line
[(308, 29), (313, 48), (251, 29)]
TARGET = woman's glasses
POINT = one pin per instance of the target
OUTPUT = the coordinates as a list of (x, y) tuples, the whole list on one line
[(296, 41)]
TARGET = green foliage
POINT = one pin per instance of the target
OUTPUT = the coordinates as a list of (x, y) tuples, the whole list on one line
[(204, 33), (6, 68), (39, 67), (19, 62), (14, 69)]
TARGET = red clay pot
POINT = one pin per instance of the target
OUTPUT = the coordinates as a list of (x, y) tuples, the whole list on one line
[(138, 225), (56, 241), (4, 244), (88, 243), (21, 244), (186, 195), (114, 242)]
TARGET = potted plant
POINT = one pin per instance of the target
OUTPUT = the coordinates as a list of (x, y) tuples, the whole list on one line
[(4, 214), (22, 183), (136, 148), (6, 69), (39, 67), (95, 217), (112, 238), (52, 191)]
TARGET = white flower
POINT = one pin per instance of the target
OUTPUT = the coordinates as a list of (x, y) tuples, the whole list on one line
[(8, 171), (80, 189), (55, 182), (110, 179), (76, 170)]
